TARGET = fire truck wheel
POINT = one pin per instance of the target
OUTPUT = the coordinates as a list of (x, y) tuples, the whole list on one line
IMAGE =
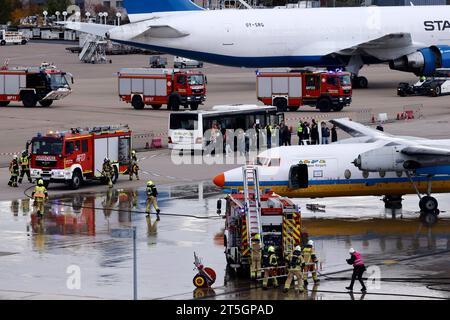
[(29, 99), (199, 281), (46, 103), (3, 42), (324, 105), (174, 103), (137, 103), (194, 106), (156, 106), (4, 103), (293, 108), (75, 183)]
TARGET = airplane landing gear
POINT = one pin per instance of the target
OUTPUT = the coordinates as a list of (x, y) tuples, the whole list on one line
[(360, 82), (428, 205)]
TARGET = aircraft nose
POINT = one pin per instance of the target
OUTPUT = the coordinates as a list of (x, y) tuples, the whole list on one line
[(219, 180)]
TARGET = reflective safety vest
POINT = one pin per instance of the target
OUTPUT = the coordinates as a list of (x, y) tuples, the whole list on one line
[(24, 161), (300, 129), (309, 255), (151, 191), (358, 259), (40, 193), (273, 261)]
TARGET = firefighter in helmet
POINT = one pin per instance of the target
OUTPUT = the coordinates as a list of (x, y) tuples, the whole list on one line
[(14, 170), (39, 196), (311, 261), (255, 269), (295, 267), (152, 194), (108, 171), (270, 264), (24, 162), (134, 168)]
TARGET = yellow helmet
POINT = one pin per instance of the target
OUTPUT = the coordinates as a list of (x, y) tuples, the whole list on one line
[(40, 182), (133, 152), (257, 237), (150, 183), (271, 249)]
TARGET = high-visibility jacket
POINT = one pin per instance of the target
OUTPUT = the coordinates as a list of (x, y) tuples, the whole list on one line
[(296, 261), (151, 191), (39, 193), (107, 169), (25, 161), (14, 168), (309, 255), (273, 260), (299, 130)]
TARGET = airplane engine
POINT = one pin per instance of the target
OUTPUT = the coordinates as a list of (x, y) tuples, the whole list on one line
[(424, 61), (382, 159)]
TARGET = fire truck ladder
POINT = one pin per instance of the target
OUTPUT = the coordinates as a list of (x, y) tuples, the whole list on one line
[(252, 205)]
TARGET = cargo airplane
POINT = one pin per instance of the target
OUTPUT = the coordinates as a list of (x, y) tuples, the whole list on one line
[(412, 39), (371, 162)]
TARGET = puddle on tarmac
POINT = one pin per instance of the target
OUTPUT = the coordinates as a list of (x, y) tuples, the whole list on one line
[(76, 233)]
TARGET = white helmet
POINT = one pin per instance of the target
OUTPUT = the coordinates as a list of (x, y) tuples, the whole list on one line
[(298, 248), (310, 243), (15, 156), (351, 251)]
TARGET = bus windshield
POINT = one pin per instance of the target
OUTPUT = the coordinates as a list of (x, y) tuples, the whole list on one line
[(196, 80), (180, 121), (47, 147)]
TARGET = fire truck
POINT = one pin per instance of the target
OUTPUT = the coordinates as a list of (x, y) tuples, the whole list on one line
[(276, 219), (288, 89), (13, 37), (155, 87), (33, 85), (77, 155)]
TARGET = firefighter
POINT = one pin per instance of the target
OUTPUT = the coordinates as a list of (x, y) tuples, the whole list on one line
[(300, 133), (39, 196), (255, 270), (270, 267), (14, 170), (152, 195), (108, 171), (295, 266), (134, 168), (311, 261), (24, 163)]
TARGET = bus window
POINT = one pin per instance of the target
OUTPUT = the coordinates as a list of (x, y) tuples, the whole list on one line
[(183, 121)]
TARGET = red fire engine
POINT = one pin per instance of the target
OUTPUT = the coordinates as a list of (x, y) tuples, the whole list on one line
[(276, 219), (31, 85), (155, 87), (288, 89), (77, 155)]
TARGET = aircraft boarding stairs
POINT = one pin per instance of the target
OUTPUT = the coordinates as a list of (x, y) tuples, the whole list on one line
[(252, 202), (94, 50)]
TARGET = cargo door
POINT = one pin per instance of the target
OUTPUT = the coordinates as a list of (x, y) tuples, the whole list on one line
[(298, 176), (101, 151), (228, 39)]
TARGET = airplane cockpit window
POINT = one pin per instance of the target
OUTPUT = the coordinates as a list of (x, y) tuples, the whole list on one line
[(268, 162), (274, 162), (261, 161)]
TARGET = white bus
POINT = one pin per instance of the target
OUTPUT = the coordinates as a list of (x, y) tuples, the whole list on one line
[(187, 129)]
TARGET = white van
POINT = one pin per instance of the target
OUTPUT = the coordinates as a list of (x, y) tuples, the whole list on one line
[(180, 62)]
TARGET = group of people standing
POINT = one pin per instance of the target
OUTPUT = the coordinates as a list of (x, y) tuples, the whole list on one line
[(308, 134)]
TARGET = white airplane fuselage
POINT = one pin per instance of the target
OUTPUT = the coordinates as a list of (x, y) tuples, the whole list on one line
[(286, 37)]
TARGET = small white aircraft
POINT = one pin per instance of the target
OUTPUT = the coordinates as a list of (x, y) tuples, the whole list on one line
[(412, 39), (371, 162)]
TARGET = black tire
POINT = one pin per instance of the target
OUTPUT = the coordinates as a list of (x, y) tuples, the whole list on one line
[(156, 106), (137, 102), (362, 82), (46, 103), (194, 106), (29, 99), (174, 103), (76, 181), (200, 281), (437, 91), (4, 103), (3, 43), (428, 204), (293, 108), (281, 104), (24, 42), (338, 107), (324, 105)]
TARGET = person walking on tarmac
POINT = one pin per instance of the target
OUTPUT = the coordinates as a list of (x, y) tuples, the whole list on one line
[(310, 257), (152, 195), (295, 266), (270, 264), (134, 168), (39, 196), (255, 269), (24, 163), (358, 269), (108, 171), (300, 129), (14, 170)]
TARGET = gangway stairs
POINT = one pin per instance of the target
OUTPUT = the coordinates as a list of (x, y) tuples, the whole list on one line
[(252, 202), (94, 50)]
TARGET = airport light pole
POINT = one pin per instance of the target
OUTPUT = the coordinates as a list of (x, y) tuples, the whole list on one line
[(64, 15), (45, 13), (87, 14), (105, 14), (118, 15), (57, 14), (100, 15)]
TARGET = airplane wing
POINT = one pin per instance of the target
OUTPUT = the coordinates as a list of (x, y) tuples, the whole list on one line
[(356, 129), (91, 28), (426, 151), (387, 47)]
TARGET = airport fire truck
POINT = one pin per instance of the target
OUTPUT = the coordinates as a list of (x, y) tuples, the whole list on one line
[(12, 37), (276, 219), (155, 87), (77, 155), (33, 85), (288, 89)]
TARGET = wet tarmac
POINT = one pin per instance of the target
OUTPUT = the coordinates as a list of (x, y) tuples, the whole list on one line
[(71, 253)]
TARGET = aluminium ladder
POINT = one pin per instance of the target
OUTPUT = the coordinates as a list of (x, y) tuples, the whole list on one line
[(252, 204)]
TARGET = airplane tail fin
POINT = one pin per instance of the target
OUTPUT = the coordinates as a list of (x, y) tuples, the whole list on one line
[(135, 7)]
